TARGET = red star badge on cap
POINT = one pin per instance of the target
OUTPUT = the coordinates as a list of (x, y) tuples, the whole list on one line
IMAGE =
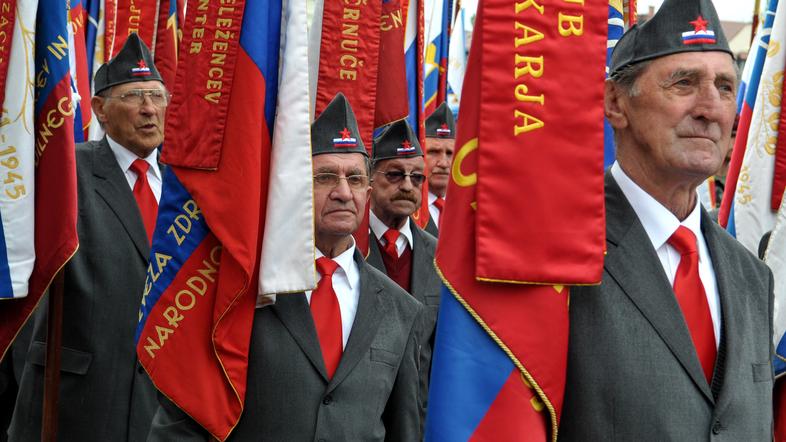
[(141, 64), (406, 144), (699, 24), (444, 126), (345, 134)]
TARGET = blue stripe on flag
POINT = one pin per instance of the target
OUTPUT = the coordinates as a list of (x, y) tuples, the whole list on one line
[(778, 364), (6, 289), (51, 49), (260, 39), (468, 371), (172, 218), (411, 58)]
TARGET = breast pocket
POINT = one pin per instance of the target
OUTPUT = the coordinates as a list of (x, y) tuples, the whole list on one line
[(762, 372), (71, 360), (384, 356)]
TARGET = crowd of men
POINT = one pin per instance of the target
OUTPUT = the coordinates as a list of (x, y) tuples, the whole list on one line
[(674, 344)]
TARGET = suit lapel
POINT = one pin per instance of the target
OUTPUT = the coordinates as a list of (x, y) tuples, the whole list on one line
[(367, 319), (374, 255), (112, 186), (422, 275), (633, 264), (294, 313), (731, 312), (431, 227)]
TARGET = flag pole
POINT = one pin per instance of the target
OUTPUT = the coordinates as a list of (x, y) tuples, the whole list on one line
[(52, 367), (755, 22)]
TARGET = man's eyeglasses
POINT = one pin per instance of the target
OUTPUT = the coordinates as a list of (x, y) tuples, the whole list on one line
[(355, 182), (136, 97), (397, 176)]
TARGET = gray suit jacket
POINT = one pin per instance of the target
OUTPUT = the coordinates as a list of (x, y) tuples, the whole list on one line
[(633, 373), (372, 396), (104, 393), (432, 228), (426, 287)]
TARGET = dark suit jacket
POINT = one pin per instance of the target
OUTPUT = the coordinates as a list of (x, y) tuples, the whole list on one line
[(633, 373), (104, 393), (426, 287), (431, 228), (372, 396)]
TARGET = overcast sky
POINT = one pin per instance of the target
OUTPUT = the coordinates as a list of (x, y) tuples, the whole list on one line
[(732, 10)]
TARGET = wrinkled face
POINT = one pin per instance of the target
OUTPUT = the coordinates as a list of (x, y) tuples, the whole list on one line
[(678, 124), (138, 128), (439, 156), (396, 200), (339, 209)]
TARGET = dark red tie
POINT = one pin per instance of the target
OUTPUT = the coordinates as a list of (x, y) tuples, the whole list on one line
[(693, 300), (390, 247), (148, 206), (327, 315), (439, 203)]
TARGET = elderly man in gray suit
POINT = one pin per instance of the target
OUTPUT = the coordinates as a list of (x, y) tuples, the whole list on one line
[(339, 363), (398, 247), (104, 393), (675, 343)]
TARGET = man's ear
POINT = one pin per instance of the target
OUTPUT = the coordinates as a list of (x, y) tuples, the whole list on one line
[(614, 105), (97, 103)]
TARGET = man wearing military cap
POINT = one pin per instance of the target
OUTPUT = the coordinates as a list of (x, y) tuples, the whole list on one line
[(676, 341), (104, 393), (440, 141), (340, 362), (398, 247)]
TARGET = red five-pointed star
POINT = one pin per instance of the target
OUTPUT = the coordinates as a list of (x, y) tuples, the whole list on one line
[(699, 24), (345, 133), (406, 144), (444, 126), (141, 64)]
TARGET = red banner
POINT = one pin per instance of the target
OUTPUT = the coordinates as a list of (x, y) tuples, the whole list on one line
[(779, 174), (391, 103), (7, 19), (529, 322), (139, 16), (349, 58), (422, 215), (542, 134), (168, 36)]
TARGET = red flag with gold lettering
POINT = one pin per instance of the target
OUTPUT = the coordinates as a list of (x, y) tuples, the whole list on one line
[(526, 205)]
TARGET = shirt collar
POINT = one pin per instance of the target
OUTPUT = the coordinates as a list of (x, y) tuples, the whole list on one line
[(431, 198), (379, 228), (346, 262), (658, 221), (125, 157)]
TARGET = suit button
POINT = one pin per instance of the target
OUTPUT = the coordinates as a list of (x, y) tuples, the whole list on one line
[(327, 400), (716, 427)]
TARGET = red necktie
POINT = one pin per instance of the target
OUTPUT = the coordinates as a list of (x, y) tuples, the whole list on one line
[(439, 203), (148, 206), (693, 300), (390, 247), (327, 315)]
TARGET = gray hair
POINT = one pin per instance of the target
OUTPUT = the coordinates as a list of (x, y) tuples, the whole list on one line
[(625, 78)]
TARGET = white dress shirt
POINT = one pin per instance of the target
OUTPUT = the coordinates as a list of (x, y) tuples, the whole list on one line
[(379, 228), (432, 209), (660, 224), (124, 159), (346, 284)]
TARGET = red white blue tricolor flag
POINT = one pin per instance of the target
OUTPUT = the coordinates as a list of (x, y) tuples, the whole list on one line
[(37, 168), (500, 354), (227, 174), (437, 24), (746, 102)]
